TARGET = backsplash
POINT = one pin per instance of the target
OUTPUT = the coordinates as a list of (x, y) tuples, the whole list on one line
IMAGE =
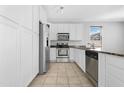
[(70, 43)]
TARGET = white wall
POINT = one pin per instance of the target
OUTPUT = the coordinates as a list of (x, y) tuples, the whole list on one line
[(113, 39), (112, 35), (18, 44), (43, 15)]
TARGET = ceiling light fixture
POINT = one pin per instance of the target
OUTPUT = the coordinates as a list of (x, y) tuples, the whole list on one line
[(60, 10)]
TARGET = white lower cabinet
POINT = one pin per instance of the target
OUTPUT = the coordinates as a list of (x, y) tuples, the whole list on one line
[(71, 54), (53, 54), (111, 71), (79, 57), (114, 71), (101, 70), (82, 60)]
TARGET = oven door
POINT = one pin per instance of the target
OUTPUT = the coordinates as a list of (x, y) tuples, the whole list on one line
[(62, 52)]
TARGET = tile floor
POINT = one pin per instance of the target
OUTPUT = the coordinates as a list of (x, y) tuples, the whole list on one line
[(62, 75)]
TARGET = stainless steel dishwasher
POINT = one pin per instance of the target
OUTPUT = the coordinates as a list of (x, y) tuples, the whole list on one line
[(92, 66)]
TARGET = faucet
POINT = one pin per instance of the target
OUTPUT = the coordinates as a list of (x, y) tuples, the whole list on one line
[(92, 45)]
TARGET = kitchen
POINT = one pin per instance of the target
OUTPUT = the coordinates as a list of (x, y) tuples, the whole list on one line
[(62, 46)]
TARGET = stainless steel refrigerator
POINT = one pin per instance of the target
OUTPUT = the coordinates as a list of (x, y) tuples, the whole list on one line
[(44, 49)]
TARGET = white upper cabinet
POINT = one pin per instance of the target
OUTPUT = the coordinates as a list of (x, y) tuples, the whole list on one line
[(53, 32), (61, 28), (66, 28), (72, 32), (79, 31), (75, 30)]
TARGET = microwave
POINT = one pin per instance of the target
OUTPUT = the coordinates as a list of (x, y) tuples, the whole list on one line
[(63, 36)]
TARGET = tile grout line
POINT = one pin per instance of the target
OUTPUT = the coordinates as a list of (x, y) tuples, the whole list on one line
[(57, 76), (67, 77)]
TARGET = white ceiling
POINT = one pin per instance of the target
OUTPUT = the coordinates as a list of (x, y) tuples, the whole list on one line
[(81, 13)]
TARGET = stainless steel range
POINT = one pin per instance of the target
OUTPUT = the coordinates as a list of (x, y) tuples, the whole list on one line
[(62, 50)]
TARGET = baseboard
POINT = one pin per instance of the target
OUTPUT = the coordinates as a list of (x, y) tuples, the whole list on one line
[(79, 67), (33, 79)]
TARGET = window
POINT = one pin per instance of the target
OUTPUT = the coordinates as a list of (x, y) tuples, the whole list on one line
[(95, 35)]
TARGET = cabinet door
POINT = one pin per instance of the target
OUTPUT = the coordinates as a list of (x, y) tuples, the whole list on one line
[(66, 28), (71, 54), (35, 54), (53, 32), (76, 56), (114, 71), (53, 54), (79, 58), (59, 29), (26, 57), (72, 31), (79, 31), (82, 60), (101, 70)]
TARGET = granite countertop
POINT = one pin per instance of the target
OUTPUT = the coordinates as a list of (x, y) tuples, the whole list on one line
[(98, 50)]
